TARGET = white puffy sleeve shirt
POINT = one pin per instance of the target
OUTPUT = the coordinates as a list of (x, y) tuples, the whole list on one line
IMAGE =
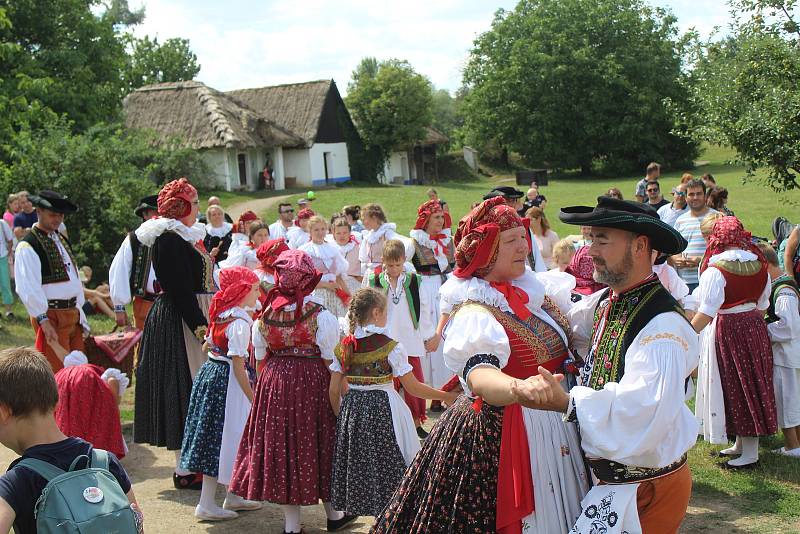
[(238, 334), (398, 357), (642, 420), (785, 332), (119, 275), (327, 334)]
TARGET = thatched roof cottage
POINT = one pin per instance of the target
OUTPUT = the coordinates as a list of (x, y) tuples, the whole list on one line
[(300, 130)]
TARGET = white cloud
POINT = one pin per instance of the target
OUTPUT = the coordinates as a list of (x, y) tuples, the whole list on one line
[(250, 43)]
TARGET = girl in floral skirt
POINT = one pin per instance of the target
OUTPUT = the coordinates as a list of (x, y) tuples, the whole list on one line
[(375, 435), (221, 395)]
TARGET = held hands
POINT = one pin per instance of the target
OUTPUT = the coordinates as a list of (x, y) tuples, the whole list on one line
[(450, 397), (49, 332), (541, 392), (432, 344)]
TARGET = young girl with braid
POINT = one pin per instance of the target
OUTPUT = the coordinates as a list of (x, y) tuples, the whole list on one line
[(375, 435)]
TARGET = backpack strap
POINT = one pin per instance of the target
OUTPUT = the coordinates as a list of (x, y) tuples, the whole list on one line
[(43, 469), (100, 459)]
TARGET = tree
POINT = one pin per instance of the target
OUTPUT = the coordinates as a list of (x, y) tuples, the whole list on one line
[(105, 171), (65, 57), (391, 105), (580, 84), (746, 90), (447, 116), (150, 62)]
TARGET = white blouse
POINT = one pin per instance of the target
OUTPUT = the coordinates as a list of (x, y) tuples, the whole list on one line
[(28, 277), (119, 275), (296, 237), (327, 259), (710, 293), (149, 230), (238, 332), (785, 333), (474, 330), (327, 332), (219, 231), (671, 281), (398, 359), (642, 420)]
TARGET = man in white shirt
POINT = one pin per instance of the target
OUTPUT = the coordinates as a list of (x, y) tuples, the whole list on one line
[(131, 275), (670, 212), (635, 428), (47, 279), (285, 221)]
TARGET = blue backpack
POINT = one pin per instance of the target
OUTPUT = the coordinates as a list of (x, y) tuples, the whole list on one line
[(85, 501)]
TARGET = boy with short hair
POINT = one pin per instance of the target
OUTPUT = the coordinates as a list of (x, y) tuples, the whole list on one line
[(411, 319), (28, 397)]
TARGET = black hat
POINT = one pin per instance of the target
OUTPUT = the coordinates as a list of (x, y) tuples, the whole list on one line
[(509, 192), (627, 215), (491, 194), (146, 203), (50, 200)]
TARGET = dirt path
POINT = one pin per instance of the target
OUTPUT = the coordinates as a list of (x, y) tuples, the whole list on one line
[(261, 206)]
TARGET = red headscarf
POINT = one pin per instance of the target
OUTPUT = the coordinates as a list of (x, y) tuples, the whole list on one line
[(424, 213), (245, 218), (175, 199), (269, 251), (305, 213), (234, 285), (478, 236), (295, 278), (728, 232)]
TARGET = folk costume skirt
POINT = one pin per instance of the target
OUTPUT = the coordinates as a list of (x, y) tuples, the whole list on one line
[(452, 484), (286, 452), (744, 356), (164, 375), (375, 442)]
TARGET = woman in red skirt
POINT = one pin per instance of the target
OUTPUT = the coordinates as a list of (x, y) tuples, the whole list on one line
[(286, 452), (734, 291)]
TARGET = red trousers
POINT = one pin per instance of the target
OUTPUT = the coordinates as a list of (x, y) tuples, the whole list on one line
[(415, 404)]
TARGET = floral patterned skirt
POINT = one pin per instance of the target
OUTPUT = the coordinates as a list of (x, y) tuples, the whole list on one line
[(286, 452), (202, 437), (368, 464), (451, 487), (744, 355)]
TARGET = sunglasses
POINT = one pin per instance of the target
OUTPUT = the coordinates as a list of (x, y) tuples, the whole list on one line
[(679, 193), (288, 211), (652, 190)]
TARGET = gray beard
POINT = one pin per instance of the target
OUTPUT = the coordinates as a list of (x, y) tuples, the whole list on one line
[(615, 278)]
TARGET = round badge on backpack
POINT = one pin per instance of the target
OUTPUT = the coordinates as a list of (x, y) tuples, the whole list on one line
[(93, 495)]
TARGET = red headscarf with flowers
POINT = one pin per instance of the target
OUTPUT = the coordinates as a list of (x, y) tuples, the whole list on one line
[(295, 278), (425, 211), (478, 236), (269, 251), (305, 213), (728, 232), (175, 199), (234, 285)]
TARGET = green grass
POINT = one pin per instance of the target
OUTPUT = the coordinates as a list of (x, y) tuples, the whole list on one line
[(752, 202)]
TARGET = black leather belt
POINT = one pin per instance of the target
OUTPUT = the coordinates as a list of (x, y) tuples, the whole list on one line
[(617, 473), (59, 304)]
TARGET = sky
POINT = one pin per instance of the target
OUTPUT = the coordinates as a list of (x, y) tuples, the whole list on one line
[(252, 43)]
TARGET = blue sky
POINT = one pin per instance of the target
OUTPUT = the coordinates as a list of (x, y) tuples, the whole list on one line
[(251, 43)]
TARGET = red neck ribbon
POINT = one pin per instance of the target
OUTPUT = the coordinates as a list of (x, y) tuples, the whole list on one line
[(516, 297)]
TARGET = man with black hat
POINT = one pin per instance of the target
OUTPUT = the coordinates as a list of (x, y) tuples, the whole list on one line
[(639, 348), (47, 279), (510, 194), (132, 274)]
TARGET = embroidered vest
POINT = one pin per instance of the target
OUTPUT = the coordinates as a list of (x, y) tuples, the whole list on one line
[(783, 281), (425, 263), (411, 287), (369, 362), (142, 265), (744, 281), (208, 283), (53, 268), (622, 317), (533, 342), (217, 340), (286, 336)]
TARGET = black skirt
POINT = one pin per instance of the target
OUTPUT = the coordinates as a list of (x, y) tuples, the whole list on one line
[(163, 380), (451, 487), (367, 464)]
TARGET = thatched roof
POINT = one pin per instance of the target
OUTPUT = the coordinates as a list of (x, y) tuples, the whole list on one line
[(203, 117), (434, 137), (296, 106)]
